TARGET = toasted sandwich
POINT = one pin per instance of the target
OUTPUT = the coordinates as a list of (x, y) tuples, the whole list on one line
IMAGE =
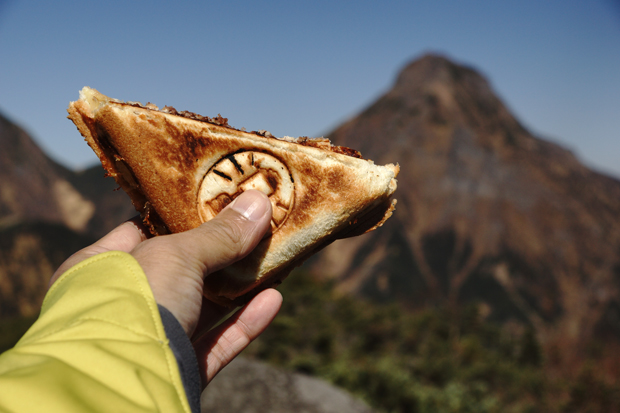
[(180, 169)]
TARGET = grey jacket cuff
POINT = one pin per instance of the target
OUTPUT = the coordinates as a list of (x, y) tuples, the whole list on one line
[(186, 357)]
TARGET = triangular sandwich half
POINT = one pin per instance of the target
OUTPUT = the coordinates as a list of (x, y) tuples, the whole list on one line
[(180, 169)]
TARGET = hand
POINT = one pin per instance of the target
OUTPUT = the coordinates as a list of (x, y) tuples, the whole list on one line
[(175, 266)]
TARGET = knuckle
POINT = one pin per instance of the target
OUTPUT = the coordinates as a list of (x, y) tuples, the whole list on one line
[(230, 234), (157, 251)]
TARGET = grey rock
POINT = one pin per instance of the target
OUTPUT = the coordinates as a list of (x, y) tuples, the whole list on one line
[(247, 386)]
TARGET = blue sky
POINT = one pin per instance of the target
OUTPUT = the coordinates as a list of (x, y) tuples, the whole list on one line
[(301, 68)]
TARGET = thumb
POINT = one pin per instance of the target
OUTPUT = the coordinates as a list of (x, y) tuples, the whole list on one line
[(228, 237), (232, 234), (175, 265)]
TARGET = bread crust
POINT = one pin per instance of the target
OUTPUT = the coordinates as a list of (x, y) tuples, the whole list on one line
[(164, 160)]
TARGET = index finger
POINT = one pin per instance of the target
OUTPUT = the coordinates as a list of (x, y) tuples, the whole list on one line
[(124, 238)]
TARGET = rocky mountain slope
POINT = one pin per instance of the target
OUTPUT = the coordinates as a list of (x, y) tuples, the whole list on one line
[(486, 212), (33, 187), (47, 212)]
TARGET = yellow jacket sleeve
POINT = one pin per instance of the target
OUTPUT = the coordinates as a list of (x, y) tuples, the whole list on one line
[(98, 346)]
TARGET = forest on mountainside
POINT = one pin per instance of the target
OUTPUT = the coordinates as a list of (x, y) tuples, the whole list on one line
[(437, 360)]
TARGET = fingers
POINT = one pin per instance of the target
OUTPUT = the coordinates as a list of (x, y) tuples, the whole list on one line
[(124, 238), (218, 347), (210, 314)]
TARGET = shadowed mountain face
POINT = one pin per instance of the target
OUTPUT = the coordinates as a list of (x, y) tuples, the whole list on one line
[(486, 212), (29, 255), (35, 188), (112, 205)]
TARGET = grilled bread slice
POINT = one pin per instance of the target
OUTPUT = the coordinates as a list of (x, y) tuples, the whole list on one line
[(180, 169)]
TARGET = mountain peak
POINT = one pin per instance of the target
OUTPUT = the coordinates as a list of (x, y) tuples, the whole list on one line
[(435, 68), (486, 212)]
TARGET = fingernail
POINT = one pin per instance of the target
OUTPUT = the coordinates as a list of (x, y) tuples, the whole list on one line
[(251, 204)]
